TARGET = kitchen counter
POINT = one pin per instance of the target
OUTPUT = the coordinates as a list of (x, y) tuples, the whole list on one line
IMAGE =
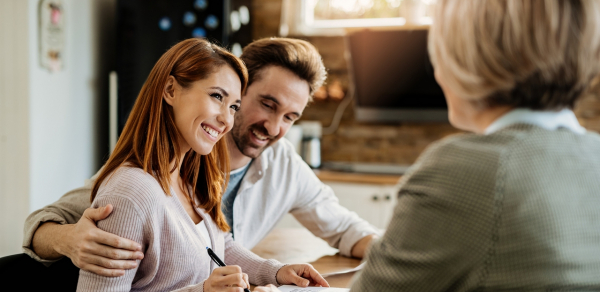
[(353, 177)]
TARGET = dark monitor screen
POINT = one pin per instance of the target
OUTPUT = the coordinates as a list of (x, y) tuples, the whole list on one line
[(393, 77)]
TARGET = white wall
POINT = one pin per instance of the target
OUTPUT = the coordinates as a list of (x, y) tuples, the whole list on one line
[(61, 109), (62, 121), (14, 123)]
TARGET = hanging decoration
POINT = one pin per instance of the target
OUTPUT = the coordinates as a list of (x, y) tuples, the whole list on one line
[(52, 34)]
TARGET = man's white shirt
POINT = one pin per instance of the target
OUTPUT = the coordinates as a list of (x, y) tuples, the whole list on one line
[(280, 182)]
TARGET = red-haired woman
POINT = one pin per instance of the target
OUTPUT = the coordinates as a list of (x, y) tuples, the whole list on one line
[(165, 180)]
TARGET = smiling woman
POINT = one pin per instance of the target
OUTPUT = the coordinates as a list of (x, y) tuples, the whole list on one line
[(152, 138), (165, 180), (204, 110)]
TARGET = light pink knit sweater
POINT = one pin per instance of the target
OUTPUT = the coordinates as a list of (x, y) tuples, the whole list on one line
[(174, 256)]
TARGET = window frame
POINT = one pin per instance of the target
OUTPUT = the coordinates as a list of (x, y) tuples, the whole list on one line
[(297, 19)]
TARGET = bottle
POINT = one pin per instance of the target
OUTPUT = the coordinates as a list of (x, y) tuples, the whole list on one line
[(311, 143), (294, 135)]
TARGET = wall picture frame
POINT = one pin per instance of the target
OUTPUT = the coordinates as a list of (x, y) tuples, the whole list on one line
[(52, 34)]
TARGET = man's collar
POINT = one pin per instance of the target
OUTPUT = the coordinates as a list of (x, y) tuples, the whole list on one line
[(259, 165)]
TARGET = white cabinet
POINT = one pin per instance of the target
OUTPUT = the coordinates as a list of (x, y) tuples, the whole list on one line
[(372, 202)]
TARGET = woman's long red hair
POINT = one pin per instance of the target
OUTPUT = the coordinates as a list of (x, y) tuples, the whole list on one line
[(150, 136)]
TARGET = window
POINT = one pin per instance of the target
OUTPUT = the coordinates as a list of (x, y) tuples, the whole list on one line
[(332, 17)]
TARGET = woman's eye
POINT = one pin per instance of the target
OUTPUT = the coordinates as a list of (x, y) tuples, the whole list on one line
[(217, 96), (235, 107)]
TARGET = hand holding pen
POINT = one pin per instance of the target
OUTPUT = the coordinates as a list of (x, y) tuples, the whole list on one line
[(225, 278), (301, 275)]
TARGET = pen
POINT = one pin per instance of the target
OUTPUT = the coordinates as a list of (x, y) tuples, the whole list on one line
[(218, 261)]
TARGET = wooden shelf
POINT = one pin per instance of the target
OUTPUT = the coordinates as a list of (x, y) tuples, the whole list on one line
[(350, 30), (351, 177)]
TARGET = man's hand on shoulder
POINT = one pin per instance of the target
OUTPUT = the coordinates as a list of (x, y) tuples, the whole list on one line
[(359, 250), (88, 247)]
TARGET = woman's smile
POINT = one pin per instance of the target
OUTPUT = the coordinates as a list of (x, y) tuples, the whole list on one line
[(211, 131)]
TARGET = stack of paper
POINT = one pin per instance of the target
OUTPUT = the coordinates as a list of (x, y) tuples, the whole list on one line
[(290, 288)]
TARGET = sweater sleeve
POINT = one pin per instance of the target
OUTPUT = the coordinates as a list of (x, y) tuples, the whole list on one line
[(67, 210), (126, 220), (260, 271), (192, 288)]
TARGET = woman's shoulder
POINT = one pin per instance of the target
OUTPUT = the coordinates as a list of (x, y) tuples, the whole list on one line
[(468, 147), (132, 184), (458, 161)]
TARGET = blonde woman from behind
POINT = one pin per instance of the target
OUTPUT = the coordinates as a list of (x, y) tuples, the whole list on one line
[(516, 204)]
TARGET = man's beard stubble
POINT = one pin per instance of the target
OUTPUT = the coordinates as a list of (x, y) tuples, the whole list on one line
[(241, 138)]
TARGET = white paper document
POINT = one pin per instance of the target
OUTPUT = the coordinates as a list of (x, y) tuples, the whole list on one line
[(358, 268), (291, 288)]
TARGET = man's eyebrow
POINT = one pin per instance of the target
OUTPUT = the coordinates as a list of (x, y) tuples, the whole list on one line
[(223, 91), (270, 97), (273, 99)]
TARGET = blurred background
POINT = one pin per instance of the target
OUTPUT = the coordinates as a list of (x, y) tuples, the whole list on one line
[(70, 71)]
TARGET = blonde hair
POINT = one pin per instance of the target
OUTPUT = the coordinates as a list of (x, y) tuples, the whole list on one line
[(536, 54)]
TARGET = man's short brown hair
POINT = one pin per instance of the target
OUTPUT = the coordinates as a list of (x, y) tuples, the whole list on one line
[(298, 56)]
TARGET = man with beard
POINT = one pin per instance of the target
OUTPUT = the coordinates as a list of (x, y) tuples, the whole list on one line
[(268, 179)]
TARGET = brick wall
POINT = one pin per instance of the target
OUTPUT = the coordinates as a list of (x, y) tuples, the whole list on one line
[(361, 142)]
